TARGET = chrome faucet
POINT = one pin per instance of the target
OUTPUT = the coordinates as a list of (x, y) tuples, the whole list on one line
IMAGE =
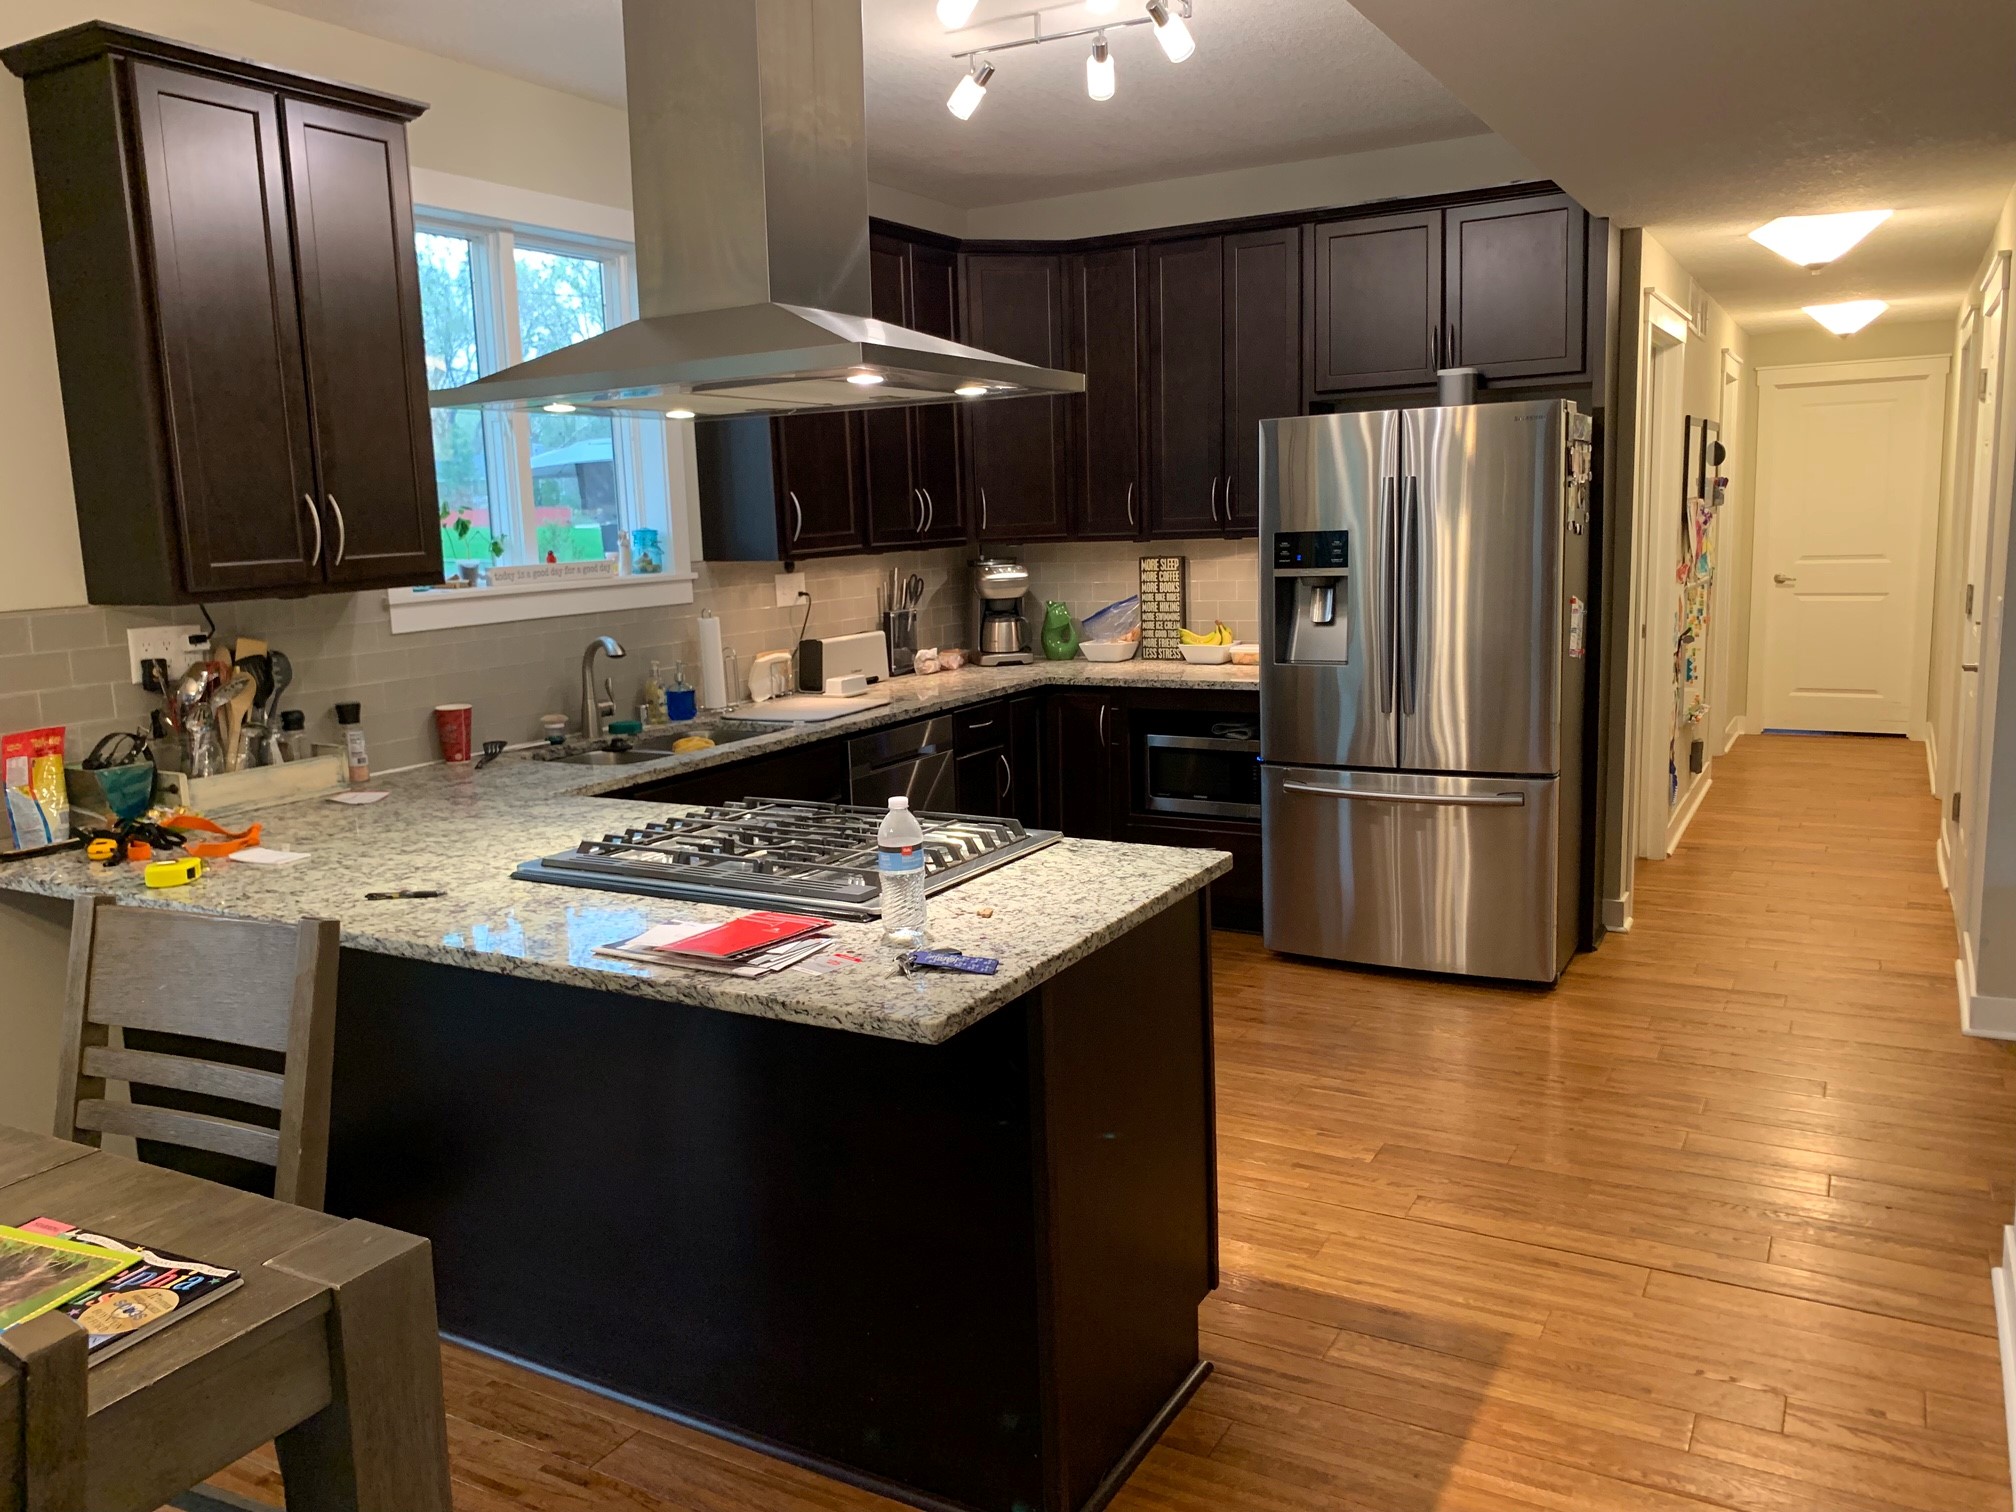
[(594, 710)]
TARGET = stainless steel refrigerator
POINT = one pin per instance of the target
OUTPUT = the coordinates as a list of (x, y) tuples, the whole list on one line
[(1424, 602)]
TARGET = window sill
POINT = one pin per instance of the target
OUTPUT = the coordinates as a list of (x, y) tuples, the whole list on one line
[(415, 609)]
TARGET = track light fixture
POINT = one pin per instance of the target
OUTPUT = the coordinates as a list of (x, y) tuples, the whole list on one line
[(1099, 76), (1170, 19), (971, 90)]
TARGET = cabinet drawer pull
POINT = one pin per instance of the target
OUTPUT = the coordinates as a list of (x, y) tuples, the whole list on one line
[(315, 515), (342, 533), (981, 724), (797, 516)]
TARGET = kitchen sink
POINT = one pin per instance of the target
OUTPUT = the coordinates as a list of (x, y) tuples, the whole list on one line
[(725, 733), (608, 758)]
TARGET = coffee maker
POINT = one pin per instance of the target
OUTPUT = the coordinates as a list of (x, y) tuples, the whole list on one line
[(1001, 630)]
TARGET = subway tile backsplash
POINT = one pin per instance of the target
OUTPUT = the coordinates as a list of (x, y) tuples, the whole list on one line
[(69, 667)]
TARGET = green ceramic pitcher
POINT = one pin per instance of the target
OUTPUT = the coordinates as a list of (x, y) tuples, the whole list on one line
[(1060, 636)]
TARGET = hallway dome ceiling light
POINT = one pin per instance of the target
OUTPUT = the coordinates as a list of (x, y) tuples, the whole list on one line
[(1848, 317), (1170, 18), (1813, 241)]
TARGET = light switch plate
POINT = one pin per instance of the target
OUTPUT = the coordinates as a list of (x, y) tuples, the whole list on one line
[(789, 584), (177, 645)]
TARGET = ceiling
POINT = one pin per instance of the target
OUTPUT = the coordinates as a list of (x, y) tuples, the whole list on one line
[(1701, 119), (1273, 81)]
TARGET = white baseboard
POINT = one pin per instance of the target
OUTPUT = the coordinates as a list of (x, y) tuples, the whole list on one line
[(1676, 827), (1982, 1015), (1730, 732), (2005, 1340), (1945, 869), (1931, 760), (1617, 914)]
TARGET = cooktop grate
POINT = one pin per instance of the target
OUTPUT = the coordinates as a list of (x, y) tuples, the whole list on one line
[(780, 852)]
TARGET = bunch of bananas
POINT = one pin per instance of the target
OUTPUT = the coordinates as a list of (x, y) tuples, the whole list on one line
[(1220, 635)]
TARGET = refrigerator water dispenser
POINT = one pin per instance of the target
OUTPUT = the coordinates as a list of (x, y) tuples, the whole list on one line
[(1312, 604)]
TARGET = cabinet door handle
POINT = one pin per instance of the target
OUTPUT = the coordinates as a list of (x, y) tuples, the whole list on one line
[(1228, 500), (1435, 347), (1007, 778), (983, 511), (797, 516), (930, 511), (315, 515), (917, 510), (1214, 498), (1449, 343), (1130, 506), (342, 533), (1102, 726)]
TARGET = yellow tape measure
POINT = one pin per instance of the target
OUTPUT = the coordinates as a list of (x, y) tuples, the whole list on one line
[(176, 873)]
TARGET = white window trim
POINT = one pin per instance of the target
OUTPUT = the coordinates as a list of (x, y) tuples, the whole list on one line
[(454, 203)]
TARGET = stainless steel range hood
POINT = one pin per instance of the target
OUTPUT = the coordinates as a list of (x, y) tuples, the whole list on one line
[(749, 177)]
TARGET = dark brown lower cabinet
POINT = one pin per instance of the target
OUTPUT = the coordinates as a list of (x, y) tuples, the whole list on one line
[(1084, 784)]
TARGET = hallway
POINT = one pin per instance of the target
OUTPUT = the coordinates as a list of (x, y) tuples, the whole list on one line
[(1709, 1224)]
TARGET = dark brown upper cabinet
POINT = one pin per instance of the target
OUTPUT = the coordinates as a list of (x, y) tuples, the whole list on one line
[(1224, 353), (1016, 471), (1377, 296), (1514, 297), (911, 456), (1263, 358), (232, 278), (1107, 341), (1499, 286), (780, 490)]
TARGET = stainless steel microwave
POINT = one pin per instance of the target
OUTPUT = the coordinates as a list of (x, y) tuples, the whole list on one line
[(1217, 775)]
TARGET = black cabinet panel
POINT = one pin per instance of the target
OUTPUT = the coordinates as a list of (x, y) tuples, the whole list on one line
[(934, 429), (1015, 449), (817, 773), (1515, 296), (818, 484), (360, 317), (236, 395), (1186, 386), (1025, 758), (1377, 300), (1263, 358), (1107, 345), (1082, 796), (895, 508)]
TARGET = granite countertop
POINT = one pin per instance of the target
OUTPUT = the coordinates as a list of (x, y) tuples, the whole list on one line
[(464, 832)]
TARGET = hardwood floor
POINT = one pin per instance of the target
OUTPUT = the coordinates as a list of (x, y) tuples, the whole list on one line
[(1709, 1224)]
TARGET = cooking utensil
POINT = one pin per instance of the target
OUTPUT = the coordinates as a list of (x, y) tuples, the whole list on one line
[(492, 749), (120, 748)]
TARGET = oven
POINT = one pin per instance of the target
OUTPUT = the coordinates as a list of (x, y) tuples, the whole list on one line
[(1215, 774)]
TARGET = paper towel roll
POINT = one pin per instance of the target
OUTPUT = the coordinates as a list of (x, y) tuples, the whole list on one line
[(713, 676)]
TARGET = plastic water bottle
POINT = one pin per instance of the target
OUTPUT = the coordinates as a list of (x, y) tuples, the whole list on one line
[(899, 866)]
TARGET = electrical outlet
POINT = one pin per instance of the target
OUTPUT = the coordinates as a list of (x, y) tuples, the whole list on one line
[(790, 585), (177, 645)]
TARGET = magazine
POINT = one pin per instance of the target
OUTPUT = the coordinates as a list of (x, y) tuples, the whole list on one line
[(149, 1290), (42, 1270)]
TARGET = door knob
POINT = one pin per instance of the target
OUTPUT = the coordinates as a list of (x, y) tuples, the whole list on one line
[(1782, 580)]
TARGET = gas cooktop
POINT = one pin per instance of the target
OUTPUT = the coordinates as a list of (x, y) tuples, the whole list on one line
[(781, 853)]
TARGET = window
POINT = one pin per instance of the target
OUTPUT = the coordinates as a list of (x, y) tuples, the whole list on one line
[(517, 490)]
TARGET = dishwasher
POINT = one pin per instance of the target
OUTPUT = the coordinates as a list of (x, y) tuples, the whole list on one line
[(911, 761)]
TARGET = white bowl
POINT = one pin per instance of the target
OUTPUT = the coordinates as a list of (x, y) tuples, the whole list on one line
[(1109, 651), (1207, 656)]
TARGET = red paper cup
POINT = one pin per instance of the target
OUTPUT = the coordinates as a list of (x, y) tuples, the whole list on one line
[(451, 725)]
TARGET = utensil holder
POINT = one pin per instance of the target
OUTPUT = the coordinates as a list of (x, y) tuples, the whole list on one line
[(899, 629)]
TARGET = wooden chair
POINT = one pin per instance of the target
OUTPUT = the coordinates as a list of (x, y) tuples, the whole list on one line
[(195, 997), (42, 1416)]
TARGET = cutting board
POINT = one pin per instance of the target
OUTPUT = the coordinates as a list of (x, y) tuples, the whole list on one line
[(809, 708)]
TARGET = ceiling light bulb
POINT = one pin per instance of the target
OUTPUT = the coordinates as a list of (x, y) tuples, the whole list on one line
[(970, 92), (866, 380), (953, 14), (1812, 240), (558, 407), (1099, 80), (1847, 318), (1171, 32), (679, 414), (971, 391)]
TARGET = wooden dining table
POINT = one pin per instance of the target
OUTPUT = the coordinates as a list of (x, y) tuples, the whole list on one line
[(328, 1348)]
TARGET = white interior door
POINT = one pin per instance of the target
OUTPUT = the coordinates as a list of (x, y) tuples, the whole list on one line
[(1978, 391), (1848, 498)]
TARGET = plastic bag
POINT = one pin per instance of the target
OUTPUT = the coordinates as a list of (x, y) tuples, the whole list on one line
[(1116, 622), (38, 804)]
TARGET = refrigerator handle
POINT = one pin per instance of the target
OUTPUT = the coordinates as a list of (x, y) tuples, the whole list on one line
[(1387, 661), (1407, 597)]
